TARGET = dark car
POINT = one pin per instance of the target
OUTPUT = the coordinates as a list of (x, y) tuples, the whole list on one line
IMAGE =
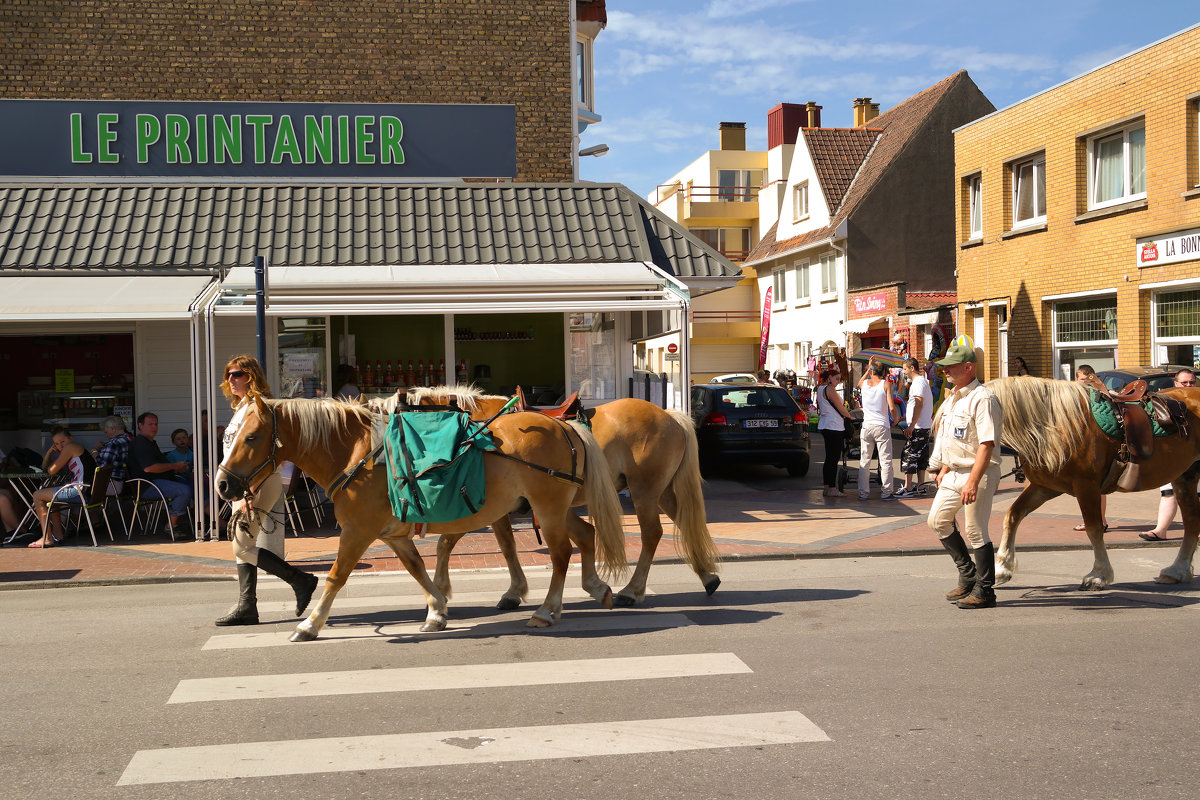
[(753, 423), (1160, 377)]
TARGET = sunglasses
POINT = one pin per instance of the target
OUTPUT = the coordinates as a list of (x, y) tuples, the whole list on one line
[(236, 373)]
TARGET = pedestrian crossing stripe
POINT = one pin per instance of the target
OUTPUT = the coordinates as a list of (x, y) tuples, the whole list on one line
[(401, 603), (472, 746), (456, 676), (508, 624)]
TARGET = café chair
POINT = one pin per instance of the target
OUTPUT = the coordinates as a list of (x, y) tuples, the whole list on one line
[(94, 497), (144, 498)]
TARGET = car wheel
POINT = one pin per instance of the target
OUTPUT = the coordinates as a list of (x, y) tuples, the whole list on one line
[(799, 467)]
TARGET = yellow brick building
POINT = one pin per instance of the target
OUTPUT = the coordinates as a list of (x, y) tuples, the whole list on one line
[(1078, 219)]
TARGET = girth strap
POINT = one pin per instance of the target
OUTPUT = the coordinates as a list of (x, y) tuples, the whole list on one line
[(342, 480)]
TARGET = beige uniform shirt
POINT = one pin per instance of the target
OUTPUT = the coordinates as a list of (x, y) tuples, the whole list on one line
[(970, 415)]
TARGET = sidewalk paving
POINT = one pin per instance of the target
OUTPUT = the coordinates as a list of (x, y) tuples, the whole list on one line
[(752, 519)]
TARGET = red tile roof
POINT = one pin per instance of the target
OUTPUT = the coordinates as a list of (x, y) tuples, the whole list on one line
[(837, 154), (591, 11)]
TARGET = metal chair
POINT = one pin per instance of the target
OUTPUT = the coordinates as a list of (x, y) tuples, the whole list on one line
[(94, 497), (144, 496)]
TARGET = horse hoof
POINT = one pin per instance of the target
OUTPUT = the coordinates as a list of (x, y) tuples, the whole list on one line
[(1167, 579), (508, 604), (711, 585), (1092, 586), (433, 626), (302, 636), (606, 600), (537, 622), (624, 601)]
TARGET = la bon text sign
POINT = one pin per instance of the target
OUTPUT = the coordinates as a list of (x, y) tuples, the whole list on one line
[(98, 139)]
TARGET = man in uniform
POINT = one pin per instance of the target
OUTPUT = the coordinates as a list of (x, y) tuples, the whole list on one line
[(967, 460)]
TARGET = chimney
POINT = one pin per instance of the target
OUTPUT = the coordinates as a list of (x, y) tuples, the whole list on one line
[(732, 136), (864, 111), (813, 112), (783, 121)]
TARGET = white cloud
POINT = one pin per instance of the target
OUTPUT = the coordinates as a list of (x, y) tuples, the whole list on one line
[(721, 9)]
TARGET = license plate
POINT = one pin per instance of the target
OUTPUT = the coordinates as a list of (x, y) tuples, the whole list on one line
[(760, 423)]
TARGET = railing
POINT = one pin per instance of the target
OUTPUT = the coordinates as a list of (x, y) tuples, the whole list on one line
[(724, 316), (707, 194)]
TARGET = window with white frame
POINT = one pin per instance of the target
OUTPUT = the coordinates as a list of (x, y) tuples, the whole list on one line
[(1117, 166), (800, 201), (739, 185), (779, 280), (802, 280), (975, 191), (829, 274), (1085, 332), (1029, 191), (583, 64)]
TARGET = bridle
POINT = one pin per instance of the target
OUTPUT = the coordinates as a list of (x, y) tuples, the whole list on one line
[(270, 460)]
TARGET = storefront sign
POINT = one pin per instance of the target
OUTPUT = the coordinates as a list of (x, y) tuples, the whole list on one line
[(766, 328), (1169, 249), (869, 303), (98, 139), (64, 380)]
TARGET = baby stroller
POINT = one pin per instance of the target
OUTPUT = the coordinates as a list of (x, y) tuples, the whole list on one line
[(850, 450)]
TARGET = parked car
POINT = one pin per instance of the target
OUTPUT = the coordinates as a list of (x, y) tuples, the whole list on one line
[(1160, 377), (735, 377), (754, 423)]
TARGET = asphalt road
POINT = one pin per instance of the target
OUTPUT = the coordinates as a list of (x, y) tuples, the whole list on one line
[(832, 678)]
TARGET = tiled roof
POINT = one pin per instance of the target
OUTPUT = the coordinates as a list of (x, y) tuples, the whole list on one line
[(768, 247), (929, 299), (189, 228), (837, 154)]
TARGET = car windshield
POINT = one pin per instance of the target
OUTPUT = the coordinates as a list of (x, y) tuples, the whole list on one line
[(755, 397)]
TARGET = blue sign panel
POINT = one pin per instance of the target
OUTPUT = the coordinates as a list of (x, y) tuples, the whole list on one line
[(97, 139)]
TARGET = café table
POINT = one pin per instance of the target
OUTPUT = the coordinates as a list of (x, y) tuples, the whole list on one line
[(24, 483)]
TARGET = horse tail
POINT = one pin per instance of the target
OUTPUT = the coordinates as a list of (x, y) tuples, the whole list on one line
[(1045, 421), (603, 507), (691, 520)]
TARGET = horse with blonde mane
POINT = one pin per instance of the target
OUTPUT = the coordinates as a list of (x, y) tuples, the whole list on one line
[(541, 463), (651, 452), (1064, 451)]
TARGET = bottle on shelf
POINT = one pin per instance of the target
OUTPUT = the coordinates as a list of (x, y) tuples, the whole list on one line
[(411, 375), (441, 372), (421, 376), (460, 374), (389, 377)]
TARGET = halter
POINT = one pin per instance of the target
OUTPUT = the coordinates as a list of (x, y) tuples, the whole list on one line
[(269, 461)]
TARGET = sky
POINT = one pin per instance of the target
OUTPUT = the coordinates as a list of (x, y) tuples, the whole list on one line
[(669, 71)]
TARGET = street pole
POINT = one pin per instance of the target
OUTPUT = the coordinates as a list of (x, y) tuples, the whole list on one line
[(260, 307)]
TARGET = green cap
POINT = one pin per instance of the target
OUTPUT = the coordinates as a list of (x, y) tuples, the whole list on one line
[(958, 354)]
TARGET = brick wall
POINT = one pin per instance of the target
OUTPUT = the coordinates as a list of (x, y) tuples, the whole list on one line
[(435, 51), (1159, 83)]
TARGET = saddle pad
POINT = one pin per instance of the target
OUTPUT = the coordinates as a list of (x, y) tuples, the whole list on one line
[(1104, 411), (435, 465)]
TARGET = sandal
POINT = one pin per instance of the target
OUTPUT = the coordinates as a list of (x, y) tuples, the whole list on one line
[(44, 544), (1151, 536), (1083, 527)]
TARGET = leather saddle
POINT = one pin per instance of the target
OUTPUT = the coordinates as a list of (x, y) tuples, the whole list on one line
[(572, 408), (1136, 423)]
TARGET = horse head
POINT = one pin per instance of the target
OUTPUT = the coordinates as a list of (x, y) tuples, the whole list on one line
[(251, 457)]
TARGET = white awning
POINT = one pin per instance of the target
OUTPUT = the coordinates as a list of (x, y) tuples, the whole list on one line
[(43, 298), (924, 318), (495, 288), (862, 325)]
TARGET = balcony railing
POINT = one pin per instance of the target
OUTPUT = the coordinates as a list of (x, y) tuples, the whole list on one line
[(707, 194), (724, 316)]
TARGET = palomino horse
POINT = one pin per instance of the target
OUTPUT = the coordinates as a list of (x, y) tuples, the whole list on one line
[(1064, 451), (333, 442), (650, 451)]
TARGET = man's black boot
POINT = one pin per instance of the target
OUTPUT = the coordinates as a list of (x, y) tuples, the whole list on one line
[(957, 548), (302, 583), (246, 610), (983, 595)]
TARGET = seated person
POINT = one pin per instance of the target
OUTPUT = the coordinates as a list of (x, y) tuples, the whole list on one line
[(64, 454), (8, 513), (182, 453), (113, 451), (149, 463)]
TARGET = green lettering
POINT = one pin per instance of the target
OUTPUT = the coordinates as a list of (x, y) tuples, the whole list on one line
[(343, 140), (178, 130), (105, 136), (285, 143), (362, 138), (148, 130), (391, 131), (201, 138), (318, 139), (259, 123), (78, 154), (227, 139)]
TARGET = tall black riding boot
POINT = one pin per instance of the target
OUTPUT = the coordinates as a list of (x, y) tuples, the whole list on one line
[(957, 548), (302, 583), (983, 595), (246, 610)]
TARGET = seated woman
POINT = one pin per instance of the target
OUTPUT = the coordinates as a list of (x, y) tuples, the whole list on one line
[(182, 453), (64, 454)]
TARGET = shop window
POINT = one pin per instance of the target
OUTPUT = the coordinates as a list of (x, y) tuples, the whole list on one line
[(800, 201), (1029, 191), (1117, 166), (1085, 332), (1177, 315), (302, 357), (779, 281), (593, 356)]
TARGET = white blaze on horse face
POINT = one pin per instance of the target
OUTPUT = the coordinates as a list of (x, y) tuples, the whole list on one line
[(227, 440)]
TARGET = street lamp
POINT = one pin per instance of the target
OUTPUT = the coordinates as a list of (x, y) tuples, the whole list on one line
[(594, 150)]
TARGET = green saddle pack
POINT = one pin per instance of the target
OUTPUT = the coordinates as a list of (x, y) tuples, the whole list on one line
[(1105, 413), (435, 465)]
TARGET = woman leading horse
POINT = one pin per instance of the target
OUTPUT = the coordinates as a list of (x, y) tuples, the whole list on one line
[(1064, 451)]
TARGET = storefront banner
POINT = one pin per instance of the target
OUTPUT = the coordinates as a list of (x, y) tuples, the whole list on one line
[(766, 328), (1169, 248), (869, 302), (98, 139)]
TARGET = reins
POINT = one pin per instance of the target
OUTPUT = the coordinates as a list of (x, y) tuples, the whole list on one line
[(269, 461)]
